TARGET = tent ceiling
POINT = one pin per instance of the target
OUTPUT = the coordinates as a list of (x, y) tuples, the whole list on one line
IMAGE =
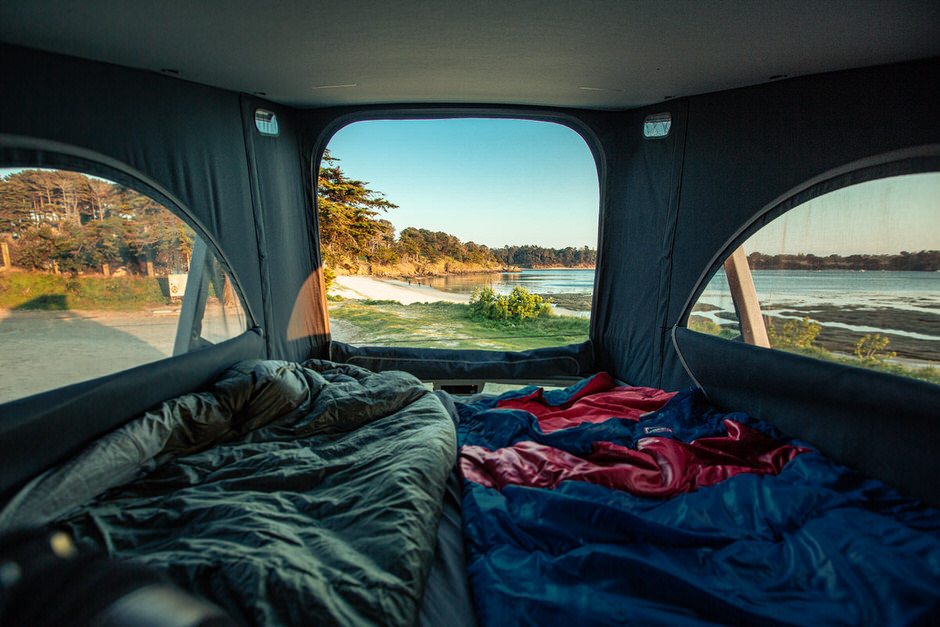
[(593, 54)]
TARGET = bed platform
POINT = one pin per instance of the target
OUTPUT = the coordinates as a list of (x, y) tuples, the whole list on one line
[(290, 492)]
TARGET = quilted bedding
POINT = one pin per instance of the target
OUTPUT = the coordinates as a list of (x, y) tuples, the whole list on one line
[(606, 505), (287, 494)]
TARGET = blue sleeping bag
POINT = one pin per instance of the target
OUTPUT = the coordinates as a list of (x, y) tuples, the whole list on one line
[(815, 543)]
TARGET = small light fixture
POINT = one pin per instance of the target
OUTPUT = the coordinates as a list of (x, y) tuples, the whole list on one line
[(266, 122), (169, 72), (334, 86), (657, 126)]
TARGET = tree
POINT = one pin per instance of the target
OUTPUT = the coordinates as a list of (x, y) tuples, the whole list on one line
[(347, 212), (79, 222)]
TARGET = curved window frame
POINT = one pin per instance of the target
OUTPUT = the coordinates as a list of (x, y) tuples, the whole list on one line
[(28, 152), (918, 160)]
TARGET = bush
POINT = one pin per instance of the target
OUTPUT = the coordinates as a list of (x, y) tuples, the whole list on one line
[(521, 304), (328, 277), (870, 348), (793, 333), (704, 325)]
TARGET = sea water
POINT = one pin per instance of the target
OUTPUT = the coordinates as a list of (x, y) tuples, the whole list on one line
[(548, 281), (776, 289)]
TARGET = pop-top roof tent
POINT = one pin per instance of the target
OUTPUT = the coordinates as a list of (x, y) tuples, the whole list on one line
[(770, 103)]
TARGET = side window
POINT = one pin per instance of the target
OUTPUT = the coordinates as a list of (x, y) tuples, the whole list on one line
[(458, 233), (96, 278), (851, 276)]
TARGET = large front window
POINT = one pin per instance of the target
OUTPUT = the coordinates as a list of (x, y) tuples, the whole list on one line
[(468, 233)]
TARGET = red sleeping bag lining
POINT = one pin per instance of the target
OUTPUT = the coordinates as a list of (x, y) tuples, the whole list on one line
[(657, 467)]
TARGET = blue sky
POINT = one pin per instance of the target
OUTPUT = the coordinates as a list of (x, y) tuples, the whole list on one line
[(494, 182), (500, 182), (883, 216)]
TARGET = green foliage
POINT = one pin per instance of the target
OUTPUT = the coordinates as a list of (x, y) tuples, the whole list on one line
[(347, 212), (871, 348), (57, 219), (353, 235), (40, 291), (521, 304), (923, 261), (704, 325), (793, 333), (329, 276), (530, 256), (35, 248), (486, 303)]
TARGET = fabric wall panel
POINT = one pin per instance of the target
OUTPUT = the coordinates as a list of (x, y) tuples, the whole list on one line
[(289, 261), (187, 138), (636, 254)]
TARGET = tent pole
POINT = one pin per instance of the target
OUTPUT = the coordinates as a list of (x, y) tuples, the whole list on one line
[(189, 326), (744, 295)]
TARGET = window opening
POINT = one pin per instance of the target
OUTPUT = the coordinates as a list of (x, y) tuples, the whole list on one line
[(469, 233), (96, 278), (851, 276)]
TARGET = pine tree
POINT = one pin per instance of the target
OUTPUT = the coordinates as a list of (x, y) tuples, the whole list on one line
[(348, 212)]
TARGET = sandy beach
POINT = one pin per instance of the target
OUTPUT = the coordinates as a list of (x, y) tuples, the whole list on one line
[(368, 288)]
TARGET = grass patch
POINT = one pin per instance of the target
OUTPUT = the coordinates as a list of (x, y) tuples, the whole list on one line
[(50, 292), (448, 325), (576, 301)]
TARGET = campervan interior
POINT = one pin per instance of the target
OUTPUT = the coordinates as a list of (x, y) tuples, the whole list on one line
[(202, 421)]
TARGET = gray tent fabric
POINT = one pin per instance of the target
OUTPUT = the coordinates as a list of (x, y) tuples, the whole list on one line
[(641, 209), (746, 147), (285, 221), (667, 206)]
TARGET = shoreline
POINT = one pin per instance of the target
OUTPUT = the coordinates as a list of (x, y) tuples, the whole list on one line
[(361, 287), (357, 287), (503, 270)]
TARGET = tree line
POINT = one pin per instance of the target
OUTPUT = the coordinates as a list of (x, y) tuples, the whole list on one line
[(354, 236), (925, 261), (63, 221), (530, 256)]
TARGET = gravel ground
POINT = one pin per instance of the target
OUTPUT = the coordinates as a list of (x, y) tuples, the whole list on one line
[(43, 350)]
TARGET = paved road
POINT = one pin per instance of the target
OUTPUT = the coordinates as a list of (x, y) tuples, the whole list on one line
[(43, 350)]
